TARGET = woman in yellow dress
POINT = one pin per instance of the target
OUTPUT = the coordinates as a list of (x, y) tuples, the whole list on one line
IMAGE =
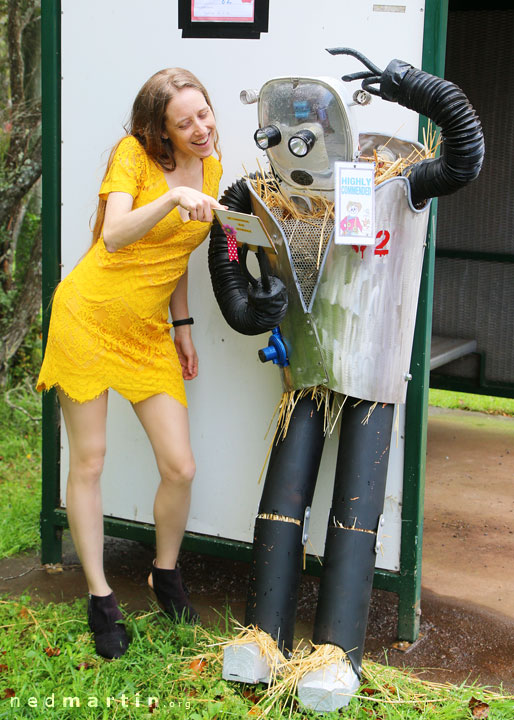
[(109, 329)]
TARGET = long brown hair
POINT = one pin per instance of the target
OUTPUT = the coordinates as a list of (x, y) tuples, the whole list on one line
[(146, 123)]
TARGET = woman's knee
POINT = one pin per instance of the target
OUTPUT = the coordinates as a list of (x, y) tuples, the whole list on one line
[(178, 471), (87, 466)]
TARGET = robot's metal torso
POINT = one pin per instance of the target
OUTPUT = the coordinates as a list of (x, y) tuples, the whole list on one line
[(352, 308)]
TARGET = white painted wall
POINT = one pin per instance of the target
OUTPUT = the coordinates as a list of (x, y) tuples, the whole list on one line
[(108, 50)]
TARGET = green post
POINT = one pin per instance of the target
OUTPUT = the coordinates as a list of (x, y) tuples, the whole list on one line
[(51, 531), (416, 418)]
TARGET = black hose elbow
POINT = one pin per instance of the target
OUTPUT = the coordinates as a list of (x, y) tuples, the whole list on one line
[(248, 305), (444, 103)]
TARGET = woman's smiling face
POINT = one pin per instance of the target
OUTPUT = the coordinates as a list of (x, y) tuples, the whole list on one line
[(189, 124)]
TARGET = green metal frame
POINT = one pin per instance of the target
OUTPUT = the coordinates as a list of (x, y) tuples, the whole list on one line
[(51, 528), (407, 582)]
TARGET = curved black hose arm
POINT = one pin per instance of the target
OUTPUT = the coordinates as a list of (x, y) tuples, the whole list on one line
[(250, 306), (462, 151)]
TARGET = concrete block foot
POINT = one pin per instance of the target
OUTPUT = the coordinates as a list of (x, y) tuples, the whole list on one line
[(245, 663), (329, 688)]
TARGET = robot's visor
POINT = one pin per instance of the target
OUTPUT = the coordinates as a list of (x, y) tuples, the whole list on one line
[(304, 126)]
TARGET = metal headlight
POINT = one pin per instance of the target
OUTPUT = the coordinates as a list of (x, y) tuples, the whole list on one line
[(302, 143), (267, 137)]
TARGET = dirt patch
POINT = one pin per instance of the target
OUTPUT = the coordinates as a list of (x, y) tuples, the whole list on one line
[(468, 541)]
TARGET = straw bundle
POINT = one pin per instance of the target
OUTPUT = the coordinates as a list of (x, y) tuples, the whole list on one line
[(285, 674), (276, 660), (387, 166), (268, 188), (317, 210), (304, 660), (382, 685), (331, 402)]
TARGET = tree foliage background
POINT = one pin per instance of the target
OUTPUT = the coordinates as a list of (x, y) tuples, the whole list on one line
[(20, 197)]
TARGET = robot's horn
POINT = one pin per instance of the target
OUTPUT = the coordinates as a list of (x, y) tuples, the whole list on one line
[(356, 54)]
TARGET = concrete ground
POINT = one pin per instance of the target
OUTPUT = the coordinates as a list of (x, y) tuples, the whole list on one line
[(467, 624)]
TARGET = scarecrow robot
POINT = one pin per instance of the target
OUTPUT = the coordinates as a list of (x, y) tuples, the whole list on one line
[(342, 317)]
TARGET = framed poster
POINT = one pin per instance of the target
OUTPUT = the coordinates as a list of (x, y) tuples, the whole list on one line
[(222, 10), (236, 19)]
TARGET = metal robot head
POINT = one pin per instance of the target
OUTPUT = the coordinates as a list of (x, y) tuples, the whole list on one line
[(304, 126)]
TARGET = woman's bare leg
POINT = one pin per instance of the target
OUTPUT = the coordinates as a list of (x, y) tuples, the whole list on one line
[(85, 426), (166, 423)]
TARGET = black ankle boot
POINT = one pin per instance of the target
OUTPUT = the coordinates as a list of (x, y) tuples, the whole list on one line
[(103, 614), (172, 596)]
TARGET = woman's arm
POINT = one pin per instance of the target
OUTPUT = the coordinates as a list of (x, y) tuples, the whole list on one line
[(183, 340), (123, 225)]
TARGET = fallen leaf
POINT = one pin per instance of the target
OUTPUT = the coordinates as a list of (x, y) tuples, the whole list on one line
[(51, 652), (198, 665), (478, 708), (250, 695), (84, 666), (368, 691), (24, 613), (3, 668), (401, 645), (8, 693)]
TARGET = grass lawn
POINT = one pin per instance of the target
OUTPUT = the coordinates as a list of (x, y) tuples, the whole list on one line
[(48, 666), (20, 470), (466, 401), (49, 669)]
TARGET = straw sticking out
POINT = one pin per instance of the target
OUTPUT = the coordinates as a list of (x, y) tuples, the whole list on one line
[(279, 518), (352, 527), (382, 685), (276, 660), (319, 393), (387, 167), (318, 207), (369, 413), (303, 661)]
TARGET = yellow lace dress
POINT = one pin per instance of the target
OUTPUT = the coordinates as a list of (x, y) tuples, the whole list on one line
[(109, 323)]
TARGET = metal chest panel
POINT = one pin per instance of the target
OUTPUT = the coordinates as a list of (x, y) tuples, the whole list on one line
[(306, 366), (365, 305)]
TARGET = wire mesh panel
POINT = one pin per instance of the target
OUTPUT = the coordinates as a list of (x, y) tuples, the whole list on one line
[(307, 244)]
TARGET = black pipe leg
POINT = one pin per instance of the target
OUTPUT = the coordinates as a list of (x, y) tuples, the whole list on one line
[(358, 501), (274, 580), (277, 551)]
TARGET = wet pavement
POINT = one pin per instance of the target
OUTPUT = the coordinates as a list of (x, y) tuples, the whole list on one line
[(467, 623)]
